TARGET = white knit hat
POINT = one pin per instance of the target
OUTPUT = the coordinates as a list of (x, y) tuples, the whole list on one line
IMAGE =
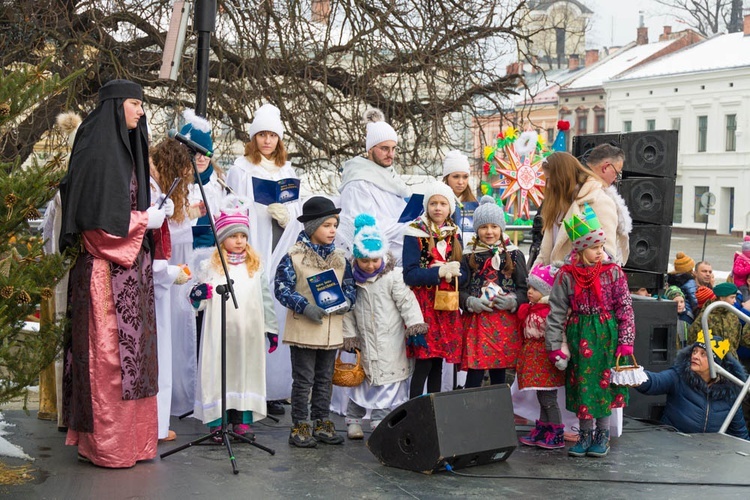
[(455, 161), (442, 189), (377, 129), (268, 117)]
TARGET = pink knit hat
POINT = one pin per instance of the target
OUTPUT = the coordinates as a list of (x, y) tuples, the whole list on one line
[(232, 223), (542, 278), (746, 246)]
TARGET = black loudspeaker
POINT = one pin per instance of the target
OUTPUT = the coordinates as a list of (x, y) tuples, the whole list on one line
[(651, 153), (582, 144), (649, 200), (649, 248), (654, 282), (655, 349), (461, 428)]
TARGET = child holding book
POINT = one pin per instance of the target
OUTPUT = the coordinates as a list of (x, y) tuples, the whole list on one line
[(495, 285), (246, 330), (535, 371), (387, 311), (590, 305), (312, 334), (432, 260)]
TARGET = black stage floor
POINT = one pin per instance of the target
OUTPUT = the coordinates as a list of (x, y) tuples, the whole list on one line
[(645, 462)]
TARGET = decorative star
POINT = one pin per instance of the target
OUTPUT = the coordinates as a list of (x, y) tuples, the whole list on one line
[(522, 180)]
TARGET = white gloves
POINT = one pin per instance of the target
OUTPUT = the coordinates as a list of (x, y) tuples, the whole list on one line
[(279, 212), (450, 270), (477, 305), (155, 217), (168, 207)]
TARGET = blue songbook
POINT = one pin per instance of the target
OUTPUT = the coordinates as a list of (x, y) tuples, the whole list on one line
[(414, 208), (327, 291), (465, 216), (266, 191)]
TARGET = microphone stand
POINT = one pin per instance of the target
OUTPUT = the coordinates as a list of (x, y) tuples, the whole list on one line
[(226, 290)]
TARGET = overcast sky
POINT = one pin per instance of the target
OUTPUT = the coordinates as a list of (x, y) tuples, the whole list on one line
[(614, 22)]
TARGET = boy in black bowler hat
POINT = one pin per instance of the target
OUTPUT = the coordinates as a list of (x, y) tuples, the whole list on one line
[(312, 334)]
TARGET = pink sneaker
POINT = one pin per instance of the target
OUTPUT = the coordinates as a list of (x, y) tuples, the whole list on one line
[(218, 437), (244, 430)]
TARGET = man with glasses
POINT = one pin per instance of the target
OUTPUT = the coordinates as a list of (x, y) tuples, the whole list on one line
[(607, 161), (371, 185)]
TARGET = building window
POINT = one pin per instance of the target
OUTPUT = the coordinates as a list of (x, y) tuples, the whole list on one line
[(581, 124), (676, 124), (702, 133), (650, 125), (600, 124), (677, 217), (550, 135), (697, 216), (731, 143), (627, 126)]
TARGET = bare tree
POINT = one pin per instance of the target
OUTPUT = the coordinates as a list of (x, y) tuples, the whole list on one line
[(426, 64), (707, 17)]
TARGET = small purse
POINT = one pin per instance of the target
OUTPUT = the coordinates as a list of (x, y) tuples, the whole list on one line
[(348, 374), (447, 300)]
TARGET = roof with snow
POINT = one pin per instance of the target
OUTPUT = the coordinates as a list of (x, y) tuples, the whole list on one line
[(620, 61), (720, 52), (546, 4)]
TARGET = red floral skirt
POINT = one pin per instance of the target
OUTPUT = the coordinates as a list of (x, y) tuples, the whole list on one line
[(492, 340), (444, 336), (535, 370)]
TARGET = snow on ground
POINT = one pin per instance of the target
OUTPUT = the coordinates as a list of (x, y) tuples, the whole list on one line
[(7, 449)]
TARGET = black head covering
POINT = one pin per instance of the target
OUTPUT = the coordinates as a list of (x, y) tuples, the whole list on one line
[(96, 190)]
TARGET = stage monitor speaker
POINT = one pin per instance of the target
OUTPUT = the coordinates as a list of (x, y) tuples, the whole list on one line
[(653, 282), (649, 248), (651, 153), (655, 349), (649, 199), (582, 144), (461, 428)]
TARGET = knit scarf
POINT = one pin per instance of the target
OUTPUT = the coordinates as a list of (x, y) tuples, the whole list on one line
[(269, 165), (236, 258), (361, 277), (205, 176)]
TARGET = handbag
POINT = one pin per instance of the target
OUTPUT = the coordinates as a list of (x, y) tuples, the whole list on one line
[(628, 375), (447, 300), (348, 374)]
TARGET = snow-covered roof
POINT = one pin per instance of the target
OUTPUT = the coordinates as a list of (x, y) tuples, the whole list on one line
[(720, 52), (620, 61), (546, 4)]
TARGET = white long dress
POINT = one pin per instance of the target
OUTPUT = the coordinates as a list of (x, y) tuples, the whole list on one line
[(246, 345), (240, 180), (184, 343), (164, 276)]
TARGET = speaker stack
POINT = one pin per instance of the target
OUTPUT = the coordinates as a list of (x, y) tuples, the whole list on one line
[(648, 188), (458, 428)]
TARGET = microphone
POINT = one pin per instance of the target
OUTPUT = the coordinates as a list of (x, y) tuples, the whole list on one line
[(197, 148)]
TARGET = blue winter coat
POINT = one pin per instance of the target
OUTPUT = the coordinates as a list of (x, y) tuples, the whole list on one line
[(692, 405)]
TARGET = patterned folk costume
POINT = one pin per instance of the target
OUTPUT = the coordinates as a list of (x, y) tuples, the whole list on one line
[(110, 360), (600, 320), (424, 247)]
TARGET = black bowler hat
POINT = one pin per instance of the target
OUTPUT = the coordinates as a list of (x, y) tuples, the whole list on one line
[(317, 207)]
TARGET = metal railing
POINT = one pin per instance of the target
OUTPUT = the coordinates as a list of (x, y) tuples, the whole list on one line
[(713, 368)]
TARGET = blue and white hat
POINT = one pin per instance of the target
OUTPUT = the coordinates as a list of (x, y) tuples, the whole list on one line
[(368, 240), (197, 129)]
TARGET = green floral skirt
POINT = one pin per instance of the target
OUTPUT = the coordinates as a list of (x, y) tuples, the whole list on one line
[(592, 344)]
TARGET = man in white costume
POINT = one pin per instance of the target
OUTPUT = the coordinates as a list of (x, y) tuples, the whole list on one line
[(371, 185)]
